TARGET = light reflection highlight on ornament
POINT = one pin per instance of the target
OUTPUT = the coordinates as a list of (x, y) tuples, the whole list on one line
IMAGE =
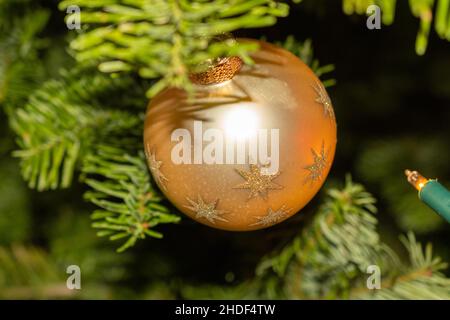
[(241, 123)]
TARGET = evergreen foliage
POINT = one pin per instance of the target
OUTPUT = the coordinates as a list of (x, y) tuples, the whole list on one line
[(329, 259), (78, 124), (422, 9), (165, 39), (62, 120), (130, 206)]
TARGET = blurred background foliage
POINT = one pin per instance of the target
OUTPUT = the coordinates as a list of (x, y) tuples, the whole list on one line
[(393, 112)]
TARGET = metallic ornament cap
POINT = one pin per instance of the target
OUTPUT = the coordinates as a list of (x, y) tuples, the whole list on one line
[(221, 71)]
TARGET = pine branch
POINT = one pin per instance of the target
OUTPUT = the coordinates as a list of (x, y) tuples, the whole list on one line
[(62, 121), (341, 242), (328, 259), (334, 249), (63, 125), (331, 256), (165, 39), (130, 208), (421, 279), (422, 9)]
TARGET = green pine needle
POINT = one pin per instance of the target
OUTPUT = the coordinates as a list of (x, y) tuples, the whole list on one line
[(422, 9), (166, 39), (61, 122), (121, 187)]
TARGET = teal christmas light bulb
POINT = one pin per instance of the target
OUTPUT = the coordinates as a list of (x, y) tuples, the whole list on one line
[(431, 192)]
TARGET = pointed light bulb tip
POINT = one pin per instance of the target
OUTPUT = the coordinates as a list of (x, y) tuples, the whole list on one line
[(416, 179)]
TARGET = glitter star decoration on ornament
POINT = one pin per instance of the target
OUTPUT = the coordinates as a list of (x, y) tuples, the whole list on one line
[(155, 167), (272, 217), (257, 181), (317, 168), (324, 100), (205, 210)]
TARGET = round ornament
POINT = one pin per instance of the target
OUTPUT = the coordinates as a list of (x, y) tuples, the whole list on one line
[(249, 147)]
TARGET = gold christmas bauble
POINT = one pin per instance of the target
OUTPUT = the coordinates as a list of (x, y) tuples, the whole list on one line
[(249, 147)]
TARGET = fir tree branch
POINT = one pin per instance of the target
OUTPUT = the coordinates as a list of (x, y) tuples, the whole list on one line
[(336, 247), (130, 208), (420, 279), (165, 39), (331, 256), (422, 9), (61, 121)]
